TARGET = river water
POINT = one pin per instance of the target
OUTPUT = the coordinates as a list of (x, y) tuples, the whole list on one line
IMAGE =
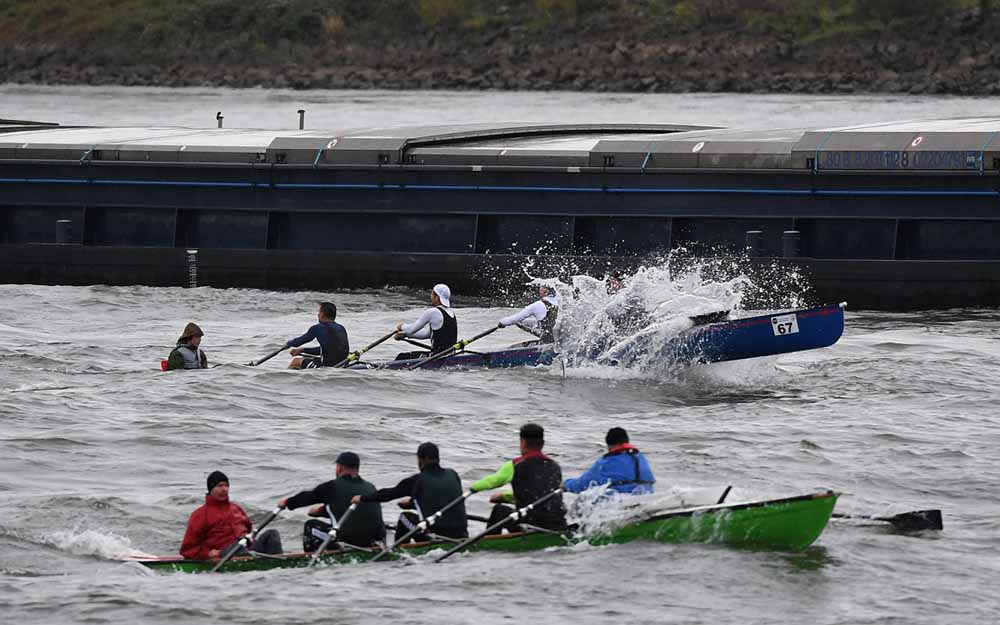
[(104, 455)]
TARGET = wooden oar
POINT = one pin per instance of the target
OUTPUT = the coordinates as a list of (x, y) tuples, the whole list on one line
[(332, 534), (254, 363), (515, 515), (725, 494), (426, 523), (245, 541), (904, 521), (454, 348), (354, 356)]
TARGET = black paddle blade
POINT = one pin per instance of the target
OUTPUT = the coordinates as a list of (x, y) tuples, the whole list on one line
[(916, 521)]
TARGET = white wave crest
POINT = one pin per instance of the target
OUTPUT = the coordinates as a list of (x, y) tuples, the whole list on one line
[(91, 542)]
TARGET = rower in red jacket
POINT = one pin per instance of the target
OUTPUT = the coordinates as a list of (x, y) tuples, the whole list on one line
[(219, 523)]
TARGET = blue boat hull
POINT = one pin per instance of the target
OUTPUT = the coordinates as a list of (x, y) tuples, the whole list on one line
[(752, 337)]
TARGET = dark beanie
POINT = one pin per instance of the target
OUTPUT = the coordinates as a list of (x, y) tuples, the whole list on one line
[(215, 477), (349, 459)]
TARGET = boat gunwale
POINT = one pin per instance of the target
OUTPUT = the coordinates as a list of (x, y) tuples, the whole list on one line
[(292, 557)]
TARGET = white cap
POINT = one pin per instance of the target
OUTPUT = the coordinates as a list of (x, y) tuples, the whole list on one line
[(444, 293)]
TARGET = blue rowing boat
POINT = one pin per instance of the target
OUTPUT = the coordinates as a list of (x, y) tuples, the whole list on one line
[(738, 339)]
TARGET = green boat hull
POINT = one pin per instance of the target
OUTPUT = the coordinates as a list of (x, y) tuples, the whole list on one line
[(786, 524)]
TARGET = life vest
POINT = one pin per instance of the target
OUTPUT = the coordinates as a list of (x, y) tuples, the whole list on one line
[(537, 475), (193, 358), (447, 335), (547, 325), (633, 453), (435, 489)]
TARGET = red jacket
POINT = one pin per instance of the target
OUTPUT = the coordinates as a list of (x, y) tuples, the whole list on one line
[(216, 525)]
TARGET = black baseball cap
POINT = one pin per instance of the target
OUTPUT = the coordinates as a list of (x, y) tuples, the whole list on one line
[(349, 459)]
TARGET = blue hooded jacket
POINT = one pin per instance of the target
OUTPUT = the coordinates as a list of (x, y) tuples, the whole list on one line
[(623, 467)]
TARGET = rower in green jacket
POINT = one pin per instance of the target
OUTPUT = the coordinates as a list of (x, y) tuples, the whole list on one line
[(363, 528), (532, 476)]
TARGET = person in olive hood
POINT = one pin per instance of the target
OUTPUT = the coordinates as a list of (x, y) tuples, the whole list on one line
[(533, 475), (428, 491), (363, 528), (188, 354)]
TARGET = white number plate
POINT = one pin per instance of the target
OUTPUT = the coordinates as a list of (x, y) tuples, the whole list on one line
[(783, 325)]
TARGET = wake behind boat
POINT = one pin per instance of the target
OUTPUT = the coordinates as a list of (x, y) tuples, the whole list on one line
[(791, 523)]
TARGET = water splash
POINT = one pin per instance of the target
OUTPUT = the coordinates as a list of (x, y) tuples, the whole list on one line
[(629, 321), (91, 542), (600, 510)]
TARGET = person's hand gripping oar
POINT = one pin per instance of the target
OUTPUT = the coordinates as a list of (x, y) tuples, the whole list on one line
[(424, 525), (457, 347), (254, 363), (518, 514), (246, 540), (332, 534), (356, 355)]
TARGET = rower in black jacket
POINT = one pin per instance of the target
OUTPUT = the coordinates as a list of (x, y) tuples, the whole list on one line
[(365, 525), (428, 491), (532, 476)]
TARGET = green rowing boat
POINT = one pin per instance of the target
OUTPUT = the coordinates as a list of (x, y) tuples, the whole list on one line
[(792, 523)]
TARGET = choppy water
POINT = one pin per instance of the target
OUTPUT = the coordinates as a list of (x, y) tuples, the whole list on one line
[(103, 455)]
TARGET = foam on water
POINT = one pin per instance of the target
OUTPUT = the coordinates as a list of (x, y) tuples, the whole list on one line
[(600, 510), (93, 542)]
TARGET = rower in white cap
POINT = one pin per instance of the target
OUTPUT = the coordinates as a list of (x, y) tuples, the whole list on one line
[(437, 324)]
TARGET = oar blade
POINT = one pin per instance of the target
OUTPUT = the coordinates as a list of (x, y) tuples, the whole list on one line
[(916, 521)]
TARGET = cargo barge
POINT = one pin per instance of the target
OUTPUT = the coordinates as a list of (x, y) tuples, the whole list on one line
[(890, 216)]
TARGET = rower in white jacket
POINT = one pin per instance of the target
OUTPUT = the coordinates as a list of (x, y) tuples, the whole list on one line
[(437, 324), (541, 314)]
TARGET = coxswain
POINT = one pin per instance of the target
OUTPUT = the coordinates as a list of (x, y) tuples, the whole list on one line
[(623, 469), (541, 313), (532, 476), (426, 492), (332, 337), (437, 323), (214, 527), (363, 528), (187, 354)]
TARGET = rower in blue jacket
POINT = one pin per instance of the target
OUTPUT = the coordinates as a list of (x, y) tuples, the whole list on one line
[(624, 469)]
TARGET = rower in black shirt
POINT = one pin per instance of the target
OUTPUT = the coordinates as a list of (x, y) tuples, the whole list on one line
[(428, 491), (363, 528), (332, 337)]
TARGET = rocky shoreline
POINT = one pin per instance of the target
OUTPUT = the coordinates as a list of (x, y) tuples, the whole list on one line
[(959, 55)]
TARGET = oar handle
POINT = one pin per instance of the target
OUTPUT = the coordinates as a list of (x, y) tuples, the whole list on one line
[(454, 348), (516, 514), (355, 355), (245, 540), (425, 524), (332, 534), (255, 363), (270, 517)]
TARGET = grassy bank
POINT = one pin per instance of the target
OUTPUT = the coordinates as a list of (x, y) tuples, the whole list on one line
[(647, 45)]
